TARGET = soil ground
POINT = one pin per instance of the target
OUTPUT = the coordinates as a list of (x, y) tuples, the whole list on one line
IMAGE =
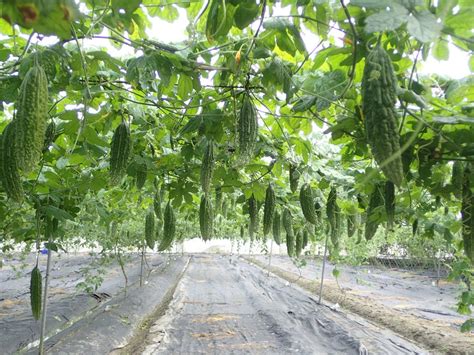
[(440, 337), (417, 292), (209, 304)]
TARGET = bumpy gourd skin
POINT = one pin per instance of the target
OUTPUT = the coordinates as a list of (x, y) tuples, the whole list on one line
[(206, 218), (467, 212), (8, 164), (141, 175), (390, 203), (35, 292), (207, 167), (457, 178), (31, 117), (376, 200), (379, 95), (169, 228), (49, 136), (290, 244), (268, 210), (307, 203), (351, 224), (150, 229), (119, 153), (157, 206), (253, 214), (248, 129), (294, 177), (276, 228), (299, 244), (332, 213), (290, 236)]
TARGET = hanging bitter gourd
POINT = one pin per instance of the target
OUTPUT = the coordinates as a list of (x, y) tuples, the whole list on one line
[(457, 179), (332, 213), (276, 228), (294, 176), (414, 227), (290, 244), (141, 175), (373, 216), (207, 167), (307, 203), (31, 119), (119, 153), (253, 214), (268, 210), (390, 203), (36, 287), (10, 174), (335, 232), (206, 218), (248, 129), (157, 205), (49, 136), (299, 244), (158, 230), (290, 236), (150, 229), (317, 210), (352, 224), (169, 228), (305, 238), (379, 95), (467, 213)]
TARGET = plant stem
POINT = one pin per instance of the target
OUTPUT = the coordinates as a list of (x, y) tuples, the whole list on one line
[(45, 299), (322, 271)]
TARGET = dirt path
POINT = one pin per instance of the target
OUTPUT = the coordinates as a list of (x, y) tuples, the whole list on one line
[(440, 338), (226, 306)]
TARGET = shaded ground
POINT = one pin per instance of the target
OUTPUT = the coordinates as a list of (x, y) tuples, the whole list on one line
[(226, 306), (439, 337)]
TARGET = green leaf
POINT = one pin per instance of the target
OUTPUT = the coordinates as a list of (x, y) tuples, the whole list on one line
[(471, 63), (423, 26), (219, 19), (9, 88), (461, 90), (128, 5), (440, 49), (388, 19), (193, 125), (245, 14), (185, 86), (304, 103), (371, 4), (55, 212)]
